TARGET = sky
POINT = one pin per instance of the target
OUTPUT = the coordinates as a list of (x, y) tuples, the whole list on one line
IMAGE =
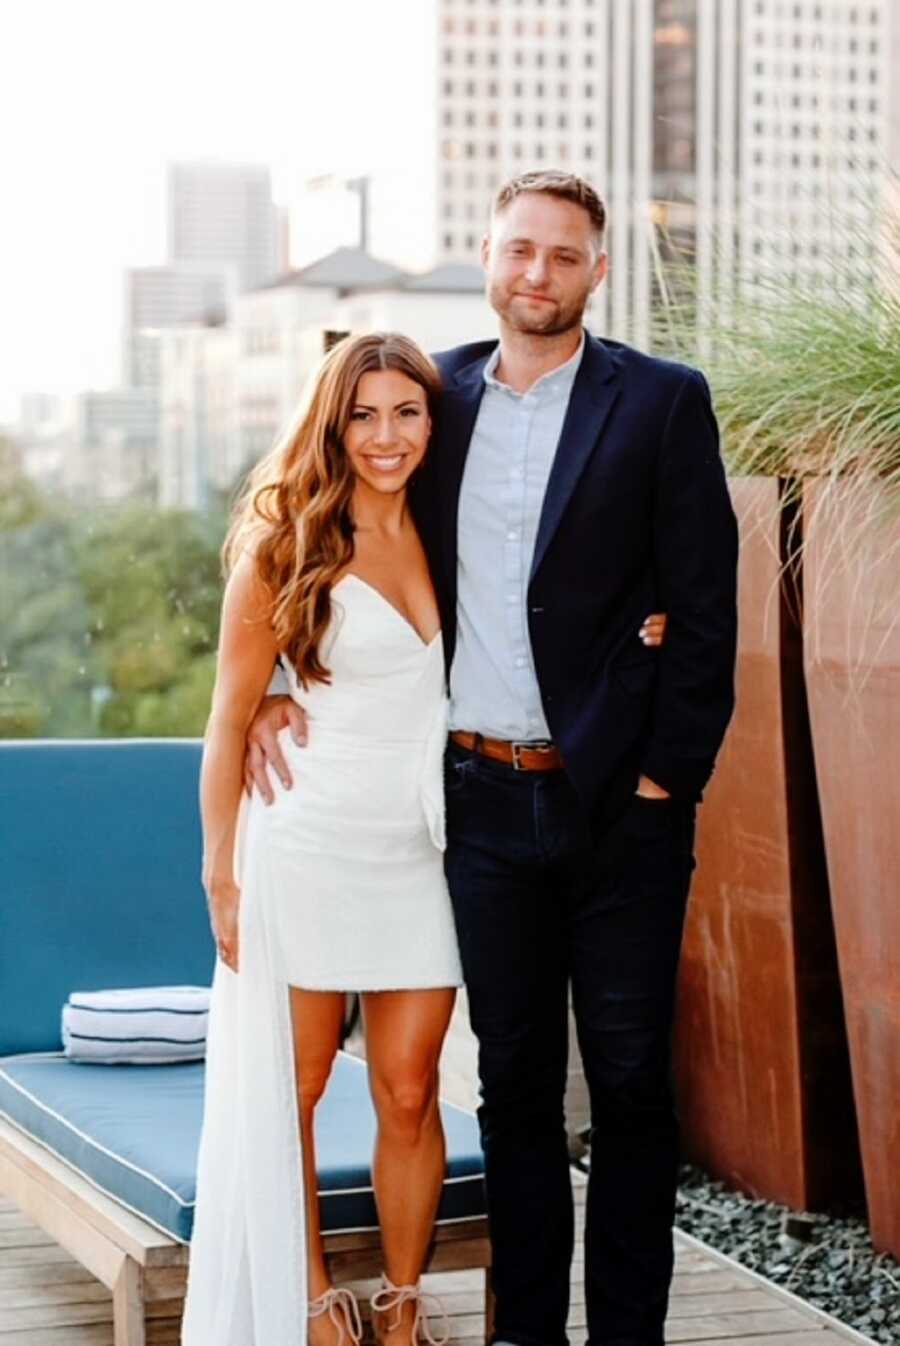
[(97, 97)]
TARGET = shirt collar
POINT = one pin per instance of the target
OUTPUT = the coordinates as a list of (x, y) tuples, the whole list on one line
[(555, 381)]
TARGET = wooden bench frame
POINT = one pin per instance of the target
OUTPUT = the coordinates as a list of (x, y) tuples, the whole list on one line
[(143, 1267)]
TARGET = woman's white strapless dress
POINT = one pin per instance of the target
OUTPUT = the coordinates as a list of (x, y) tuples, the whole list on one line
[(342, 888)]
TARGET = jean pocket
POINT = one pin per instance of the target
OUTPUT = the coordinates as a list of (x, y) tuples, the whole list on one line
[(456, 773)]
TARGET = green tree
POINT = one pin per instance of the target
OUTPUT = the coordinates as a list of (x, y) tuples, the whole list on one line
[(110, 616)]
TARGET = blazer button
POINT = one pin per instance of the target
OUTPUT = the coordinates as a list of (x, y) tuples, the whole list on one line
[(535, 611)]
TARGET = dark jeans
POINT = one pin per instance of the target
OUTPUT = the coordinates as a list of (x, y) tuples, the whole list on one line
[(539, 905)]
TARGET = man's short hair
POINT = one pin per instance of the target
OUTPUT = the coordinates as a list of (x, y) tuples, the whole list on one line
[(553, 182)]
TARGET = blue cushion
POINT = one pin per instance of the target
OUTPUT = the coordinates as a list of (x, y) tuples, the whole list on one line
[(101, 877), (133, 1131)]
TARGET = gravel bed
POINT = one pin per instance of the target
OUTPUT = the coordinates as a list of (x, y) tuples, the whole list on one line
[(827, 1260)]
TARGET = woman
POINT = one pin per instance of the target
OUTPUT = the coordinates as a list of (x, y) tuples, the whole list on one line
[(338, 886)]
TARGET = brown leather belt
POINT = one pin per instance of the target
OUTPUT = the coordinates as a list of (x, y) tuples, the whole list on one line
[(522, 756)]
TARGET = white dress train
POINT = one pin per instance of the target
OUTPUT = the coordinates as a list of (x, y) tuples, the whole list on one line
[(342, 888)]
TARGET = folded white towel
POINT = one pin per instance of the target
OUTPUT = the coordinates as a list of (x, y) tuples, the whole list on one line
[(140, 1025)]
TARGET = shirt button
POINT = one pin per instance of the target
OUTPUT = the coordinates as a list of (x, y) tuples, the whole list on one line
[(517, 474), (511, 535), (520, 662), (510, 598)]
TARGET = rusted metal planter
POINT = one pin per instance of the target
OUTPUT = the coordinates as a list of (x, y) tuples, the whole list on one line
[(852, 656), (760, 1049)]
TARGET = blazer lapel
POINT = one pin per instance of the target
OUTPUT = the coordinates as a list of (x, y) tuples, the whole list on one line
[(459, 409), (594, 391)]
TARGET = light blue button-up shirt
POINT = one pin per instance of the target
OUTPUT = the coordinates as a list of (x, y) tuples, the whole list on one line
[(493, 685)]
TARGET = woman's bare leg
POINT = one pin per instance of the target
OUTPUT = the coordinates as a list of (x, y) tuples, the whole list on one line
[(317, 1018), (405, 1031)]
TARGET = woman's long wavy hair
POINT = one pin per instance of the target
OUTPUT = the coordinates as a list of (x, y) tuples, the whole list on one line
[(293, 514)]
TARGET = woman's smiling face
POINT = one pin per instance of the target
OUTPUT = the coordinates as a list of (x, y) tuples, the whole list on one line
[(388, 431)]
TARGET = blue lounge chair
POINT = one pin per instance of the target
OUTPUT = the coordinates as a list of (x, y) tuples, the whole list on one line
[(100, 844)]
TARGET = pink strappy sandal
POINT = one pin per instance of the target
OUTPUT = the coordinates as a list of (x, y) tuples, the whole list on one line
[(341, 1306), (392, 1296)]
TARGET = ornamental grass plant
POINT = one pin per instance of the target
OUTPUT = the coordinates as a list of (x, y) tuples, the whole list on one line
[(804, 365)]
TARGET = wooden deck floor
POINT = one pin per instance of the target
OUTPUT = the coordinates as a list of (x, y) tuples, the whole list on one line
[(47, 1299)]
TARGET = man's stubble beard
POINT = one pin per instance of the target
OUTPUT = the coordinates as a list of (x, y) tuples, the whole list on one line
[(559, 320)]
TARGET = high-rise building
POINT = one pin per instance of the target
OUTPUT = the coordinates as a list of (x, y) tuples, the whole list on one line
[(745, 128), (157, 297), (114, 454), (220, 212)]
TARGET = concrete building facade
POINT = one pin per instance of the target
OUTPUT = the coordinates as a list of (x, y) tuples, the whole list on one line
[(738, 130), (113, 451), (222, 212), (157, 297)]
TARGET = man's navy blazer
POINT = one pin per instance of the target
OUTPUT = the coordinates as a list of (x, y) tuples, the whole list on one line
[(636, 518)]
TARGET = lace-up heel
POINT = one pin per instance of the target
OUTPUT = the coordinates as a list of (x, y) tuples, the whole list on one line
[(341, 1306), (391, 1297)]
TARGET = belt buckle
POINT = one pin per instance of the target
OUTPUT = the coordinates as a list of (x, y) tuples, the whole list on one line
[(538, 745)]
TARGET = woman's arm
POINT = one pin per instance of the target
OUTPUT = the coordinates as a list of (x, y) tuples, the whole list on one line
[(246, 657)]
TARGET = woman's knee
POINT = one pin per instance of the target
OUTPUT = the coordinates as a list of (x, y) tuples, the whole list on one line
[(312, 1081), (405, 1100)]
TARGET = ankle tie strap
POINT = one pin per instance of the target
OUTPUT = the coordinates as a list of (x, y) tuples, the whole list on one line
[(341, 1306), (392, 1296)]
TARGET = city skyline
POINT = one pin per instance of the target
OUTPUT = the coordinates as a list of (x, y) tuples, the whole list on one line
[(101, 110), (93, 214)]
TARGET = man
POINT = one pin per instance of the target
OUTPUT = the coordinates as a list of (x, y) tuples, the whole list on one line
[(575, 485)]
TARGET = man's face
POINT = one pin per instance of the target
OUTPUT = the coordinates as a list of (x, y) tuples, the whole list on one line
[(542, 263)]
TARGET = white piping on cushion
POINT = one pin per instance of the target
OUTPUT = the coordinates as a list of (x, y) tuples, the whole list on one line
[(113, 1196), (355, 1191), (111, 1154)]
